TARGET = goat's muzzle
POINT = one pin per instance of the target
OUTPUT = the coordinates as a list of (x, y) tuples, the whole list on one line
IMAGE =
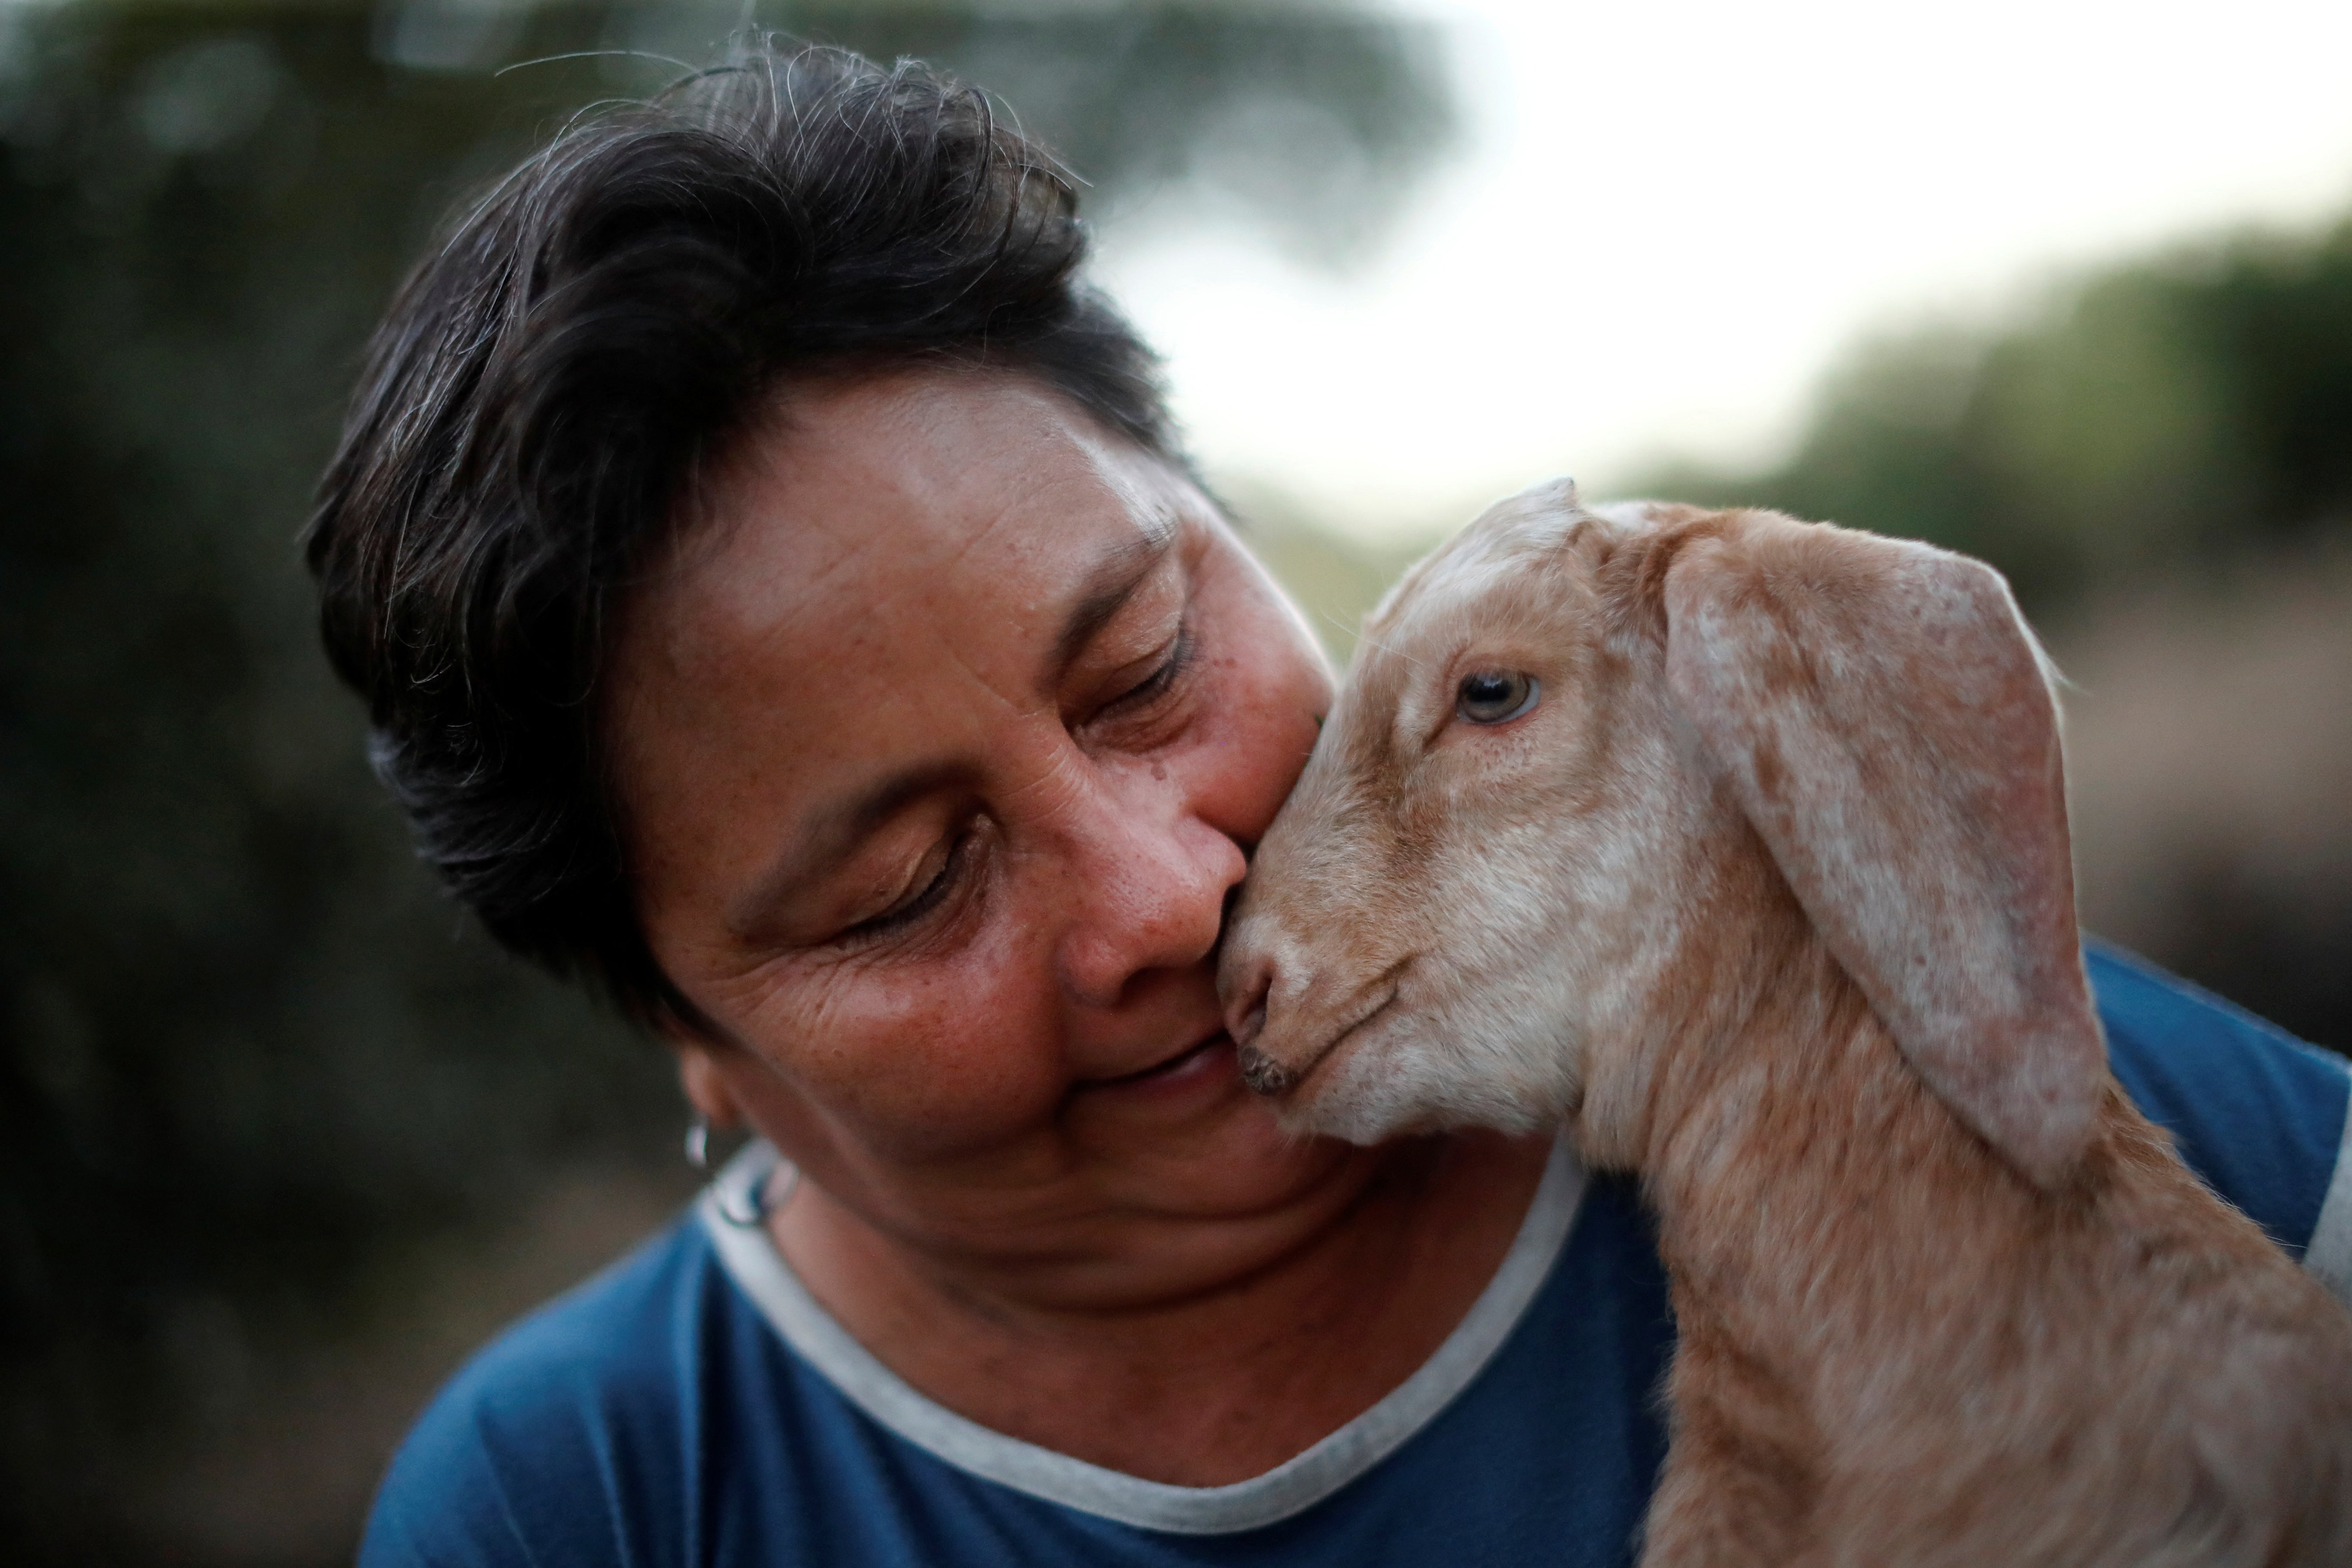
[(1262, 1072)]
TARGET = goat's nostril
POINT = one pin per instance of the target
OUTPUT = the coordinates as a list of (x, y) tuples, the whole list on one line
[(1246, 1014), (1262, 1072)]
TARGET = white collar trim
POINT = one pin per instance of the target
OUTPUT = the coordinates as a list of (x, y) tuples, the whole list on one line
[(750, 1258)]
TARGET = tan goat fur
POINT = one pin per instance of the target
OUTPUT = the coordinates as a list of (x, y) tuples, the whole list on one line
[(1769, 898)]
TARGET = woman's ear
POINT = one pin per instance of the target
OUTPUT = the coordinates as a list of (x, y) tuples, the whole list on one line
[(1885, 720), (704, 1079)]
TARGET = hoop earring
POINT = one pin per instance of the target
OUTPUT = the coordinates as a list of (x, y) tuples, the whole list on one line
[(745, 1207), (744, 1195), (697, 1142)]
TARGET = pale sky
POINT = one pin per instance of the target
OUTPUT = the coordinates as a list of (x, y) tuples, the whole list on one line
[(1668, 217)]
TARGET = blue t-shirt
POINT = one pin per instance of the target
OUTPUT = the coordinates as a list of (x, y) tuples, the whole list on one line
[(693, 1405)]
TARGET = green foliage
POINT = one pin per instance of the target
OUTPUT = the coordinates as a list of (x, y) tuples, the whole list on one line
[(246, 1053), (2185, 408)]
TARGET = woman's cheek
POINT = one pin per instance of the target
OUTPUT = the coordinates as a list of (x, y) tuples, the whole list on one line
[(929, 1059), (1254, 751), (1272, 685)]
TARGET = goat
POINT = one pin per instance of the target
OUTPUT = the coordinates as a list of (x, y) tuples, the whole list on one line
[(1740, 844)]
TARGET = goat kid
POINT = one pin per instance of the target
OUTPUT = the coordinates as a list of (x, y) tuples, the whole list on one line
[(1740, 844)]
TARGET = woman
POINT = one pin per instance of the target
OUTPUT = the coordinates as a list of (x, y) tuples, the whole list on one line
[(779, 598)]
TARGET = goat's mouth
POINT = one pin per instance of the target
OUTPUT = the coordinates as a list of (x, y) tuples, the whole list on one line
[(1268, 1077)]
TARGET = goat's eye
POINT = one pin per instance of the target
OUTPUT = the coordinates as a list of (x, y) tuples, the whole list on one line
[(1494, 696)]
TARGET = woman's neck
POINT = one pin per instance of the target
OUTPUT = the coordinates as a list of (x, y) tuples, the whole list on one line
[(1224, 1371)]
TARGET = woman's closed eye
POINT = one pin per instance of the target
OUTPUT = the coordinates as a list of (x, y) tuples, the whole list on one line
[(1164, 677), (929, 888)]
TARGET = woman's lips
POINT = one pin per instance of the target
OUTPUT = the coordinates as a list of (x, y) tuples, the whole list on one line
[(1212, 1058)]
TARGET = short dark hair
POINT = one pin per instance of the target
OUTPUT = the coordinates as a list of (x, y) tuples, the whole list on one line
[(550, 376)]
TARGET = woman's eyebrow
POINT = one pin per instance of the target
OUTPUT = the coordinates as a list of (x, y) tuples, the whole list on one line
[(1117, 574)]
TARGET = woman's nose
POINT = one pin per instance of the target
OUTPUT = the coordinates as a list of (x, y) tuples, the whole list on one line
[(1148, 880)]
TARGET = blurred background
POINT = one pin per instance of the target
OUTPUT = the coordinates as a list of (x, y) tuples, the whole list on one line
[(2067, 285)]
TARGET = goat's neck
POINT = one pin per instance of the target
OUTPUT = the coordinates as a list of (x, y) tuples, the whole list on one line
[(1770, 1074), (1744, 968), (1787, 1148)]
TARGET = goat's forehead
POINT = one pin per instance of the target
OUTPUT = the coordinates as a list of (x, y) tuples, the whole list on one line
[(1498, 564), (1512, 563)]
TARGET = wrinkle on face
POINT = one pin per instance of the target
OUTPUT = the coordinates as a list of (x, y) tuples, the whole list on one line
[(801, 646)]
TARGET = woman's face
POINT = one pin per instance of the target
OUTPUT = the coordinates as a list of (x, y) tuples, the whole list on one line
[(942, 736)]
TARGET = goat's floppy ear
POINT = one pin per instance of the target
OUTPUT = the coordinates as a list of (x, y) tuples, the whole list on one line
[(1885, 721)]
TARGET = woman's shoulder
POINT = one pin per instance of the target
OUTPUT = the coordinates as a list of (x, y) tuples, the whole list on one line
[(556, 1440), (2255, 1112)]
